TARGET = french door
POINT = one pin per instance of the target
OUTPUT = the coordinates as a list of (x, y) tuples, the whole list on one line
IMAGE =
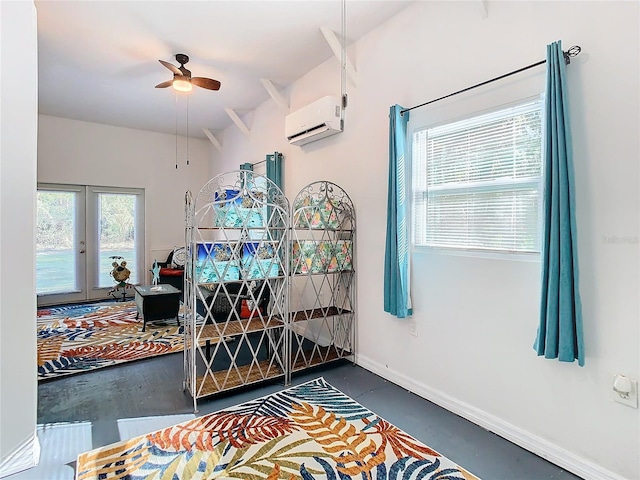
[(81, 231)]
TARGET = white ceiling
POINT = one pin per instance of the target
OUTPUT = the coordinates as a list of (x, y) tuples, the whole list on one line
[(98, 60)]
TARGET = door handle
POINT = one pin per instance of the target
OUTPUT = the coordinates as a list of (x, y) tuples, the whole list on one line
[(82, 251)]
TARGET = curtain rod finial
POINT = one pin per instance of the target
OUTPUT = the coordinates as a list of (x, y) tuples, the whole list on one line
[(572, 52)]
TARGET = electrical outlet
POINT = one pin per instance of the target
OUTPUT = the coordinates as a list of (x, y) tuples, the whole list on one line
[(631, 398), (413, 328)]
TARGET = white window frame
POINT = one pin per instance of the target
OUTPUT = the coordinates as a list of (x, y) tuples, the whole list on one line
[(494, 185)]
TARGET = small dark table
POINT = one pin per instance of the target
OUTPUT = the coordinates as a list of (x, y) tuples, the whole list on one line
[(160, 304)]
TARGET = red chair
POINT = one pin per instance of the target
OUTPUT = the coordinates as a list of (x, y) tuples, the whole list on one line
[(172, 273)]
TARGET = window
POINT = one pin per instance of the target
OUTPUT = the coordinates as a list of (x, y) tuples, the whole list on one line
[(476, 183), (117, 235), (79, 229)]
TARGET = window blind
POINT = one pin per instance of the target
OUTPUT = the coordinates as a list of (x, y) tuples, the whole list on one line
[(476, 182)]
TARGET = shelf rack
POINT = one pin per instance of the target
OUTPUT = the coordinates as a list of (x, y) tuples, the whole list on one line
[(236, 284), (322, 291), (267, 292)]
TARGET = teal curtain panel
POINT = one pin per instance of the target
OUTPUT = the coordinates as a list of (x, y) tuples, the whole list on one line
[(274, 173), (397, 299), (274, 169), (560, 333)]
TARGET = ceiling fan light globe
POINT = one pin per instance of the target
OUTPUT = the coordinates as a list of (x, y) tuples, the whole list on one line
[(182, 85)]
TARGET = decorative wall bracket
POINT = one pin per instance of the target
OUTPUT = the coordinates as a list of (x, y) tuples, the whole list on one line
[(275, 95), (334, 43), (238, 121), (213, 139)]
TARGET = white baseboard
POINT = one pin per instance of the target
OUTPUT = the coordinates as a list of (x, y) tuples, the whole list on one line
[(535, 444), (23, 457)]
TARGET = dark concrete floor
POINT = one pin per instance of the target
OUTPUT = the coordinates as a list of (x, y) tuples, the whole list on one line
[(154, 387)]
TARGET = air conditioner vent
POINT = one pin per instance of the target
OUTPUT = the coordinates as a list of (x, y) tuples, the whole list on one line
[(317, 120)]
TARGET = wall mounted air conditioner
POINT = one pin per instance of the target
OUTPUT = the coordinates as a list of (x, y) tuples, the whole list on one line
[(317, 120)]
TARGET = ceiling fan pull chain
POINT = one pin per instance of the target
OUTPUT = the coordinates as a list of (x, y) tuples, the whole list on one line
[(187, 138), (176, 130)]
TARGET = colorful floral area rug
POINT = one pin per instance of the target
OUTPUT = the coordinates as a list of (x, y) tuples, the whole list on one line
[(78, 338), (312, 431)]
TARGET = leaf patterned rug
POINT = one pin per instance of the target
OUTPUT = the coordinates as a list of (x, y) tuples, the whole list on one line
[(311, 431), (78, 338)]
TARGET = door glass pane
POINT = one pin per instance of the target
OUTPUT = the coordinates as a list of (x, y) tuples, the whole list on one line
[(55, 242), (116, 235)]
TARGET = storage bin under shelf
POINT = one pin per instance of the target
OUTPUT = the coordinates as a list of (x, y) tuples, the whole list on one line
[(321, 256), (238, 208)]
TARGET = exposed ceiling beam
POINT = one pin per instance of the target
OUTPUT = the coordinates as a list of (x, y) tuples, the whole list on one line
[(275, 94), (212, 137), (484, 8), (334, 43), (237, 120)]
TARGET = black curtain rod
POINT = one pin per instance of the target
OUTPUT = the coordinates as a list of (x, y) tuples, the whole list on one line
[(572, 52)]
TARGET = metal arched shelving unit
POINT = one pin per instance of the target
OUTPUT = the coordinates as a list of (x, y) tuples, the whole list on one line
[(323, 277), (236, 284)]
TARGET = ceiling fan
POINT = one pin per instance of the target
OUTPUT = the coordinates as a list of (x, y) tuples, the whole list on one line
[(182, 79)]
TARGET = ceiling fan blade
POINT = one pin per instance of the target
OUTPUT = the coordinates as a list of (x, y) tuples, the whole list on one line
[(166, 84), (173, 68), (207, 83)]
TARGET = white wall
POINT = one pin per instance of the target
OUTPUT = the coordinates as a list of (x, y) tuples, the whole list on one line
[(18, 130), (70, 151), (477, 317)]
